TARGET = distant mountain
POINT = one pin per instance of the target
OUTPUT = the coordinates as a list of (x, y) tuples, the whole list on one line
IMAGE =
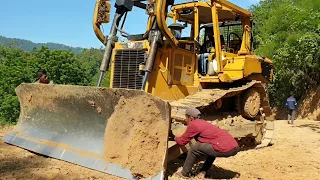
[(29, 45)]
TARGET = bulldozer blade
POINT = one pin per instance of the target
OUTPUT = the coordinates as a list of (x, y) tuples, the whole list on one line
[(68, 123)]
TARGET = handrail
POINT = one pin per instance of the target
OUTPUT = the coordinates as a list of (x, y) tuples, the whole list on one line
[(97, 21), (162, 24)]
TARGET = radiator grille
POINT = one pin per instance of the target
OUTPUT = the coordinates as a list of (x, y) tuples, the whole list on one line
[(126, 69)]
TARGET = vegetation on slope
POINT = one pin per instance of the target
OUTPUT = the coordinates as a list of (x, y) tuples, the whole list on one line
[(27, 45), (63, 67), (288, 31)]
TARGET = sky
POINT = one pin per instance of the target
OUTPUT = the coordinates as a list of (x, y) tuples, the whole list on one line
[(66, 22)]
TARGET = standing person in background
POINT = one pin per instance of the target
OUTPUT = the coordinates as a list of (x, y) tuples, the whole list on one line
[(291, 105)]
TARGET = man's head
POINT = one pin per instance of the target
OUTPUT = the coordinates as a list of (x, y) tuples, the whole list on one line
[(291, 93), (42, 76), (176, 29), (192, 114)]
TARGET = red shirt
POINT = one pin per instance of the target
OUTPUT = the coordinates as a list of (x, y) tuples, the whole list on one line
[(208, 133)]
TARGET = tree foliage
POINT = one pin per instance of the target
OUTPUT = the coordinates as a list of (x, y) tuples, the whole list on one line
[(288, 31), (63, 67)]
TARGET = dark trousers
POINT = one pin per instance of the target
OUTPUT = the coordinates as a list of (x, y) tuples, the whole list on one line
[(204, 149), (292, 115)]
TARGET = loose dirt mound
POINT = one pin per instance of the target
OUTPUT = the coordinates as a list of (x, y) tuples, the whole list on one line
[(136, 136)]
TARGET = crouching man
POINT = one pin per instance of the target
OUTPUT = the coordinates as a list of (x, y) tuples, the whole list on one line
[(211, 142)]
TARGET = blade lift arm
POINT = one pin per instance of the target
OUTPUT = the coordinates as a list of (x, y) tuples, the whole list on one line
[(101, 15), (157, 10)]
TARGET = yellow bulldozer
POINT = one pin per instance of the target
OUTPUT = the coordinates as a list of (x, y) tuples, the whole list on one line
[(193, 54)]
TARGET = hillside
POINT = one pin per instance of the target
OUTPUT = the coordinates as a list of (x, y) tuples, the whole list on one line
[(29, 45), (309, 107)]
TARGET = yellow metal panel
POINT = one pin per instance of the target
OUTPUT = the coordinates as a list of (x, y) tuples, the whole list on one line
[(224, 77), (112, 68), (236, 63), (160, 80), (209, 79), (191, 5), (196, 26), (217, 41), (180, 91), (205, 7), (234, 68), (251, 65), (234, 7), (234, 74), (229, 55), (181, 60)]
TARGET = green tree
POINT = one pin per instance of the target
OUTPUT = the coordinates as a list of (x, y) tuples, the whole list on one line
[(91, 59), (63, 67), (14, 70), (288, 32)]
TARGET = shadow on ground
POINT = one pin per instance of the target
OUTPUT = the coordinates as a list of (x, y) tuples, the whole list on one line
[(313, 127), (20, 164), (215, 172), (31, 166)]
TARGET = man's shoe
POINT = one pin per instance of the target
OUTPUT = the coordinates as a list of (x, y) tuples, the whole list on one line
[(201, 175)]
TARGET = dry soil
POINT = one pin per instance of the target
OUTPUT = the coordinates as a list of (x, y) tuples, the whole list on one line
[(294, 155), (137, 139)]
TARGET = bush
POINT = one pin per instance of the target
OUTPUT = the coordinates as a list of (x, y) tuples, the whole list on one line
[(288, 32), (63, 67)]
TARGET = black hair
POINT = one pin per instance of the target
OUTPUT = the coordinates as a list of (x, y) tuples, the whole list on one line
[(40, 73), (292, 93)]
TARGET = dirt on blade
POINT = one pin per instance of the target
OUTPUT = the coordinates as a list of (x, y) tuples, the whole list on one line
[(136, 136)]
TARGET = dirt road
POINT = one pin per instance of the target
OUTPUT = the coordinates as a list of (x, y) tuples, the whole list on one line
[(294, 155)]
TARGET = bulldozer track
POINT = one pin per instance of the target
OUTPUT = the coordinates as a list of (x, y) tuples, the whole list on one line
[(206, 97)]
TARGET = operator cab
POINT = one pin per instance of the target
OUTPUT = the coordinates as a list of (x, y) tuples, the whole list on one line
[(231, 28), (200, 18)]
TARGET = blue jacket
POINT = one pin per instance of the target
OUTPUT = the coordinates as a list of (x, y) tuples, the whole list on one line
[(291, 103)]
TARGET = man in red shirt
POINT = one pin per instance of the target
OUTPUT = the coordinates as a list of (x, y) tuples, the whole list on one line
[(212, 142)]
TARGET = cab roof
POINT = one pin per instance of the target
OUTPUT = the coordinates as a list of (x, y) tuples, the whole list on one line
[(225, 13)]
